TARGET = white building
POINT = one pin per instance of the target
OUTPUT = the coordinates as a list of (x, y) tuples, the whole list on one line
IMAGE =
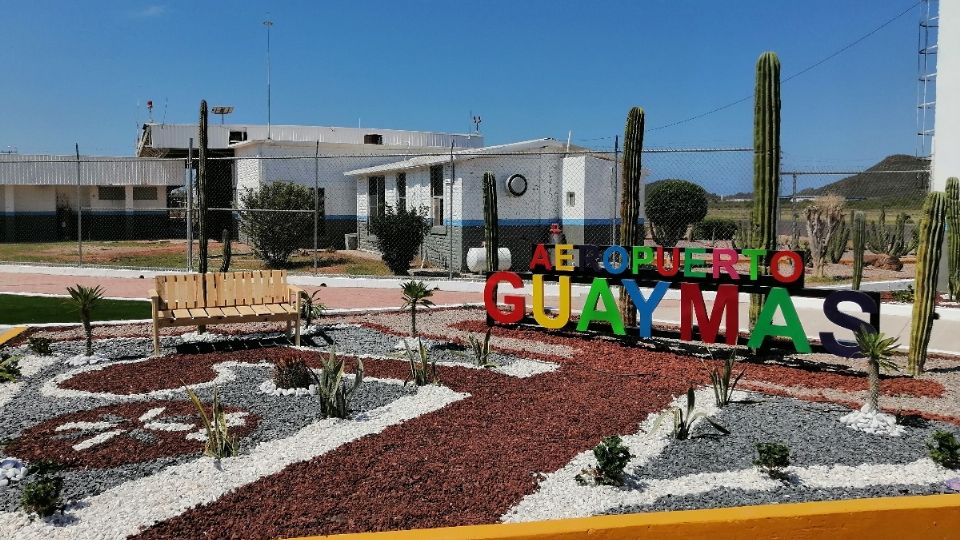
[(539, 183), (313, 156), (121, 197)]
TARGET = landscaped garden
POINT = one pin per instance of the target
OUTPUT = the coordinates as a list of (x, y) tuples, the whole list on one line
[(473, 434)]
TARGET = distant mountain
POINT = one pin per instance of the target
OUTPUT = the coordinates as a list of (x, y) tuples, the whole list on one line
[(889, 181)]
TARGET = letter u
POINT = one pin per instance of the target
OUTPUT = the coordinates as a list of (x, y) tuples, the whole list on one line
[(539, 313)]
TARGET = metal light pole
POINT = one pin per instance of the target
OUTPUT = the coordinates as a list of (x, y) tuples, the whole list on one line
[(268, 23)]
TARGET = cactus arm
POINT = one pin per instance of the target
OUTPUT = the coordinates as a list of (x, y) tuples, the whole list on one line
[(925, 282)]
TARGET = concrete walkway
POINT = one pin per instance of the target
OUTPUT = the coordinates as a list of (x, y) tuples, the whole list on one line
[(346, 292)]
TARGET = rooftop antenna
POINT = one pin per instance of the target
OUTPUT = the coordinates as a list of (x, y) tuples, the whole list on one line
[(164, 119), (476, 122), (222, 110), (150, 110), (268, 23)]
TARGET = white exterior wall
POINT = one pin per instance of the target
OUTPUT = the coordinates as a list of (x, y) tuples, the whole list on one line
[(538, 205), (946, 158)]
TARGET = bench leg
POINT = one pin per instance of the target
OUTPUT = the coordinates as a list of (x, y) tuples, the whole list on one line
[(288, 330), (296, 333), (156, 338)]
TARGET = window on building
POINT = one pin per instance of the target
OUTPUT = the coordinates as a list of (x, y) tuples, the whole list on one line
[(373, 138), (111, 193), (436, 194), (401, 192), (376, 197), (571, 198), (144, 193), (236, 137)]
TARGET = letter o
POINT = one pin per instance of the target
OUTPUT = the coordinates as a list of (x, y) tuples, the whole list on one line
[(624, 260), (797, 266)]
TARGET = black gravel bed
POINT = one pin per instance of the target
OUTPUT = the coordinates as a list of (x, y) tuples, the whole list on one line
[(788, 493), (361, 340), (279, 417), (812, 431)]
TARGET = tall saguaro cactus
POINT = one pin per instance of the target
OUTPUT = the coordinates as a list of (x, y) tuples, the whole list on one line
[(766, 163), (630, 233), (491, 225), (925, 282), (857, 234), (953, 236), (202, 187)]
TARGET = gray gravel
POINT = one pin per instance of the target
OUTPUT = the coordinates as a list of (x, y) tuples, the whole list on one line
[(725, 498), (812, 431)]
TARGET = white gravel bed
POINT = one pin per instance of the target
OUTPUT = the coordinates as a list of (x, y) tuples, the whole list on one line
[(11, 470), (172, 491), (869, 420), (29, 365), (84, 360)]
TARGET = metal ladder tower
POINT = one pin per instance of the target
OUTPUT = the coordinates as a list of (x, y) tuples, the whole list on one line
[(926, 76)]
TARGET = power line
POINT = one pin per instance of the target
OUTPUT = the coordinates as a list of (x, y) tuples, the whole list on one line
[(797, 74)]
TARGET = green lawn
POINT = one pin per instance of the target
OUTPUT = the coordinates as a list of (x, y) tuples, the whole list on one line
[(16, 309)]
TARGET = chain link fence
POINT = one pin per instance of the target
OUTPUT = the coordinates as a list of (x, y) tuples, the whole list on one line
[(317, 213)]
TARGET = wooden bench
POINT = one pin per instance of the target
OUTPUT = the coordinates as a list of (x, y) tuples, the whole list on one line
[(233, 297)]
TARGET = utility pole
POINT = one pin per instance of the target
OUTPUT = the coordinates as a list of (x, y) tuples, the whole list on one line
[(268, 23)]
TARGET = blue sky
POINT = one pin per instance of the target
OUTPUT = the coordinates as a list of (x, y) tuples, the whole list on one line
[(76, 71)]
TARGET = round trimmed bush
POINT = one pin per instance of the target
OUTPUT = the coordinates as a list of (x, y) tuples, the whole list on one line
[(672, 206)]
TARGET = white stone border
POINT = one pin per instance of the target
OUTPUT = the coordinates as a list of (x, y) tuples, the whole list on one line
[(127, 509)]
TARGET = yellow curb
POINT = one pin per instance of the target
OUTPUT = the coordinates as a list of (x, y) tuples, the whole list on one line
[(12, 333), (893, 518)]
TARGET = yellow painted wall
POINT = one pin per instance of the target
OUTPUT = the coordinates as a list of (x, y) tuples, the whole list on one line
[(895, 518)]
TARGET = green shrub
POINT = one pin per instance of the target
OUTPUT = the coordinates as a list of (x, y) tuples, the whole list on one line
[(481, 350), (42, 495), (275, 236), (905, 296), (714, 229), (40, 345), (398, 237), (944, 449), (612, 456), (772, 459), (291, 373), (672, 206)]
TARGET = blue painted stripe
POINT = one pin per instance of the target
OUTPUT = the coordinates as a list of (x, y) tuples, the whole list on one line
[(541, 222)]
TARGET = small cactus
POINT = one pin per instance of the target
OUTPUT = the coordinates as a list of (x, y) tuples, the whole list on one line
[(953, 237), (925, 282), (227, 251), (838, 242), (857, 236)]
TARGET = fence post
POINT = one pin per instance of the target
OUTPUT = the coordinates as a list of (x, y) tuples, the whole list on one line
[(316, 204), (190, 206), (613, 201), (79, 209), (453, 175), (796, 215)]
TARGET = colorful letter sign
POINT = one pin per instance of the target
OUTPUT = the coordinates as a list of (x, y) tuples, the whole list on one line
[(693, 270)]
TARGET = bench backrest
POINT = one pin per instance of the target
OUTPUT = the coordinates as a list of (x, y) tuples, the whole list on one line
[(185, 291)]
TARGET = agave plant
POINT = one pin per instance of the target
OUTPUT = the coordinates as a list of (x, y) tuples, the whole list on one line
[(311, 308), (9, 368), (85, 299), (683, 420), (723, 386), (415, 294), (423, 371), (481, 350), (333, 391), (219, 443), (877, 348)]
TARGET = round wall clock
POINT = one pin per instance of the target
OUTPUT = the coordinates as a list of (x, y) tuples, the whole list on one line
[(517, 185)]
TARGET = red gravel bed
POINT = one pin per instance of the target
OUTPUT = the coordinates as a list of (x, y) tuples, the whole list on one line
[(465, 464), (166, 372), (43, 441)]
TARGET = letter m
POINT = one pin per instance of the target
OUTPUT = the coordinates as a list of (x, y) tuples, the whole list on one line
[(691, 302)]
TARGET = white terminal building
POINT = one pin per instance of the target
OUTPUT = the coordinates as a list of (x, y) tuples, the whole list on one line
[(358, 171)]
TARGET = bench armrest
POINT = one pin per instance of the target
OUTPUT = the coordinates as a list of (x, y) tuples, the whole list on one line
[(153, 294), (154, 302), (294, 292)]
